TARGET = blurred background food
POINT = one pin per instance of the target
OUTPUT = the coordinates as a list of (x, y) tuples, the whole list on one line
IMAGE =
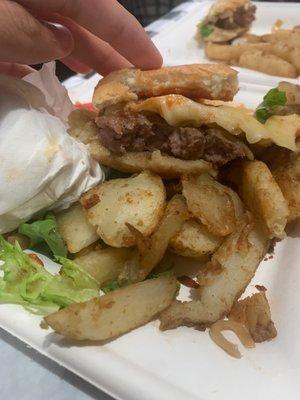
[(146, 11)]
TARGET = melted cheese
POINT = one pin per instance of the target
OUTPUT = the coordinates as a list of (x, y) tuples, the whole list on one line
[(178, 110)]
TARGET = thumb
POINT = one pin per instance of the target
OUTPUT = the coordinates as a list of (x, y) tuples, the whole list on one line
[(25, 40)]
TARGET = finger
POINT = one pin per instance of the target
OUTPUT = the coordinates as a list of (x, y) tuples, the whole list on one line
[(76, 65), (92, 51), (25, 40), (17, 70), (109, 21)]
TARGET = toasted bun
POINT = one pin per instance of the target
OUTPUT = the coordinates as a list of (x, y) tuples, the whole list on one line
[(223, 6), (226, 9), (209, 81)]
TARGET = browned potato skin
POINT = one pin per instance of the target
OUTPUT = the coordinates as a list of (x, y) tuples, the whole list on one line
[(227, 275), (115, 313), (285, 168), (194, 240), (277, 53), (231, 53), (138, 200), (267, 63), (151, 250), (262, 195), (211, 203)]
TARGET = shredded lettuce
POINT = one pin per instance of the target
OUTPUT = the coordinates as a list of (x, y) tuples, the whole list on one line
[(28, 283), (205, 29), (271, 100), (45, 231)]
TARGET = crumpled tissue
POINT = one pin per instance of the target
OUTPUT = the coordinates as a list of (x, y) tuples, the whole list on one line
[(41, 166)]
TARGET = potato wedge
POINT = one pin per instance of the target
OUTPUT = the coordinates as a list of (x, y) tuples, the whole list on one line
[(115, 313), (285, 168), (262, 195), (194, 240), (214, 204), (163, 165), (267, 63), (231, 53), (104, 264), (227, 275), (152, 249), (75, 229), (139, 201)]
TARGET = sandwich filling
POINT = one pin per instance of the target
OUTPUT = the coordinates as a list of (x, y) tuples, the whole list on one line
[(122, 130), (238, 18)]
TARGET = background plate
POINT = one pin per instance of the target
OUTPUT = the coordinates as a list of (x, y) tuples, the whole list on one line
[(179, 45)]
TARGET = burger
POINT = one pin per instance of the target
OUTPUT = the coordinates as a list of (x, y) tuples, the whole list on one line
[(177, 120), (227, 20)]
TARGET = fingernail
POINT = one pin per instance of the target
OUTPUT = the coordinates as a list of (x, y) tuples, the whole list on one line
[(63, 37)]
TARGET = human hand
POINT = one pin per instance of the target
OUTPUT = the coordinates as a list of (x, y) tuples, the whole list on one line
[(83, 34)]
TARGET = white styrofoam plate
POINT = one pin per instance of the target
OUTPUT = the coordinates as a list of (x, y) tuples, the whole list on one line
[(179, 45), (183, 363)]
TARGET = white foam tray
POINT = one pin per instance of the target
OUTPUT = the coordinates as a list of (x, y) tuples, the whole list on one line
[(184, 364)]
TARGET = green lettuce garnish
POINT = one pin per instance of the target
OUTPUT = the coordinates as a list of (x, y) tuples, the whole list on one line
[(42, 232), (205, 29), (113, 285), (28, 283), (271, 100)]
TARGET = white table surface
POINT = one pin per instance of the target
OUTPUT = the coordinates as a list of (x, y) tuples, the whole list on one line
[(26, 374)]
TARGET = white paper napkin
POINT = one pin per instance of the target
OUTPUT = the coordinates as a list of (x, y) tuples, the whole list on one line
[(41, 166)]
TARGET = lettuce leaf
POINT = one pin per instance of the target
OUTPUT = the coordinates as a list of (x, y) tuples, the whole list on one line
[(271, 100), (45, 231), (205, 29), (28, 283)]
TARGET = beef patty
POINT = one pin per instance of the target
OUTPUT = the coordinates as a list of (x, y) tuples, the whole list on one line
[(241, 17), (122, 131)]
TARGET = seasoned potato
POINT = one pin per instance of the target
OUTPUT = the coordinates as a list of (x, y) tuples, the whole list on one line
[(104, 264), (214, 204), (267, 63), (115, 313), (75, 229), (262, 195), (163, 165), (139, 201), (194, 240), (294, 58), (227, 275), (232, 53), (285, 168), (151, 250)]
